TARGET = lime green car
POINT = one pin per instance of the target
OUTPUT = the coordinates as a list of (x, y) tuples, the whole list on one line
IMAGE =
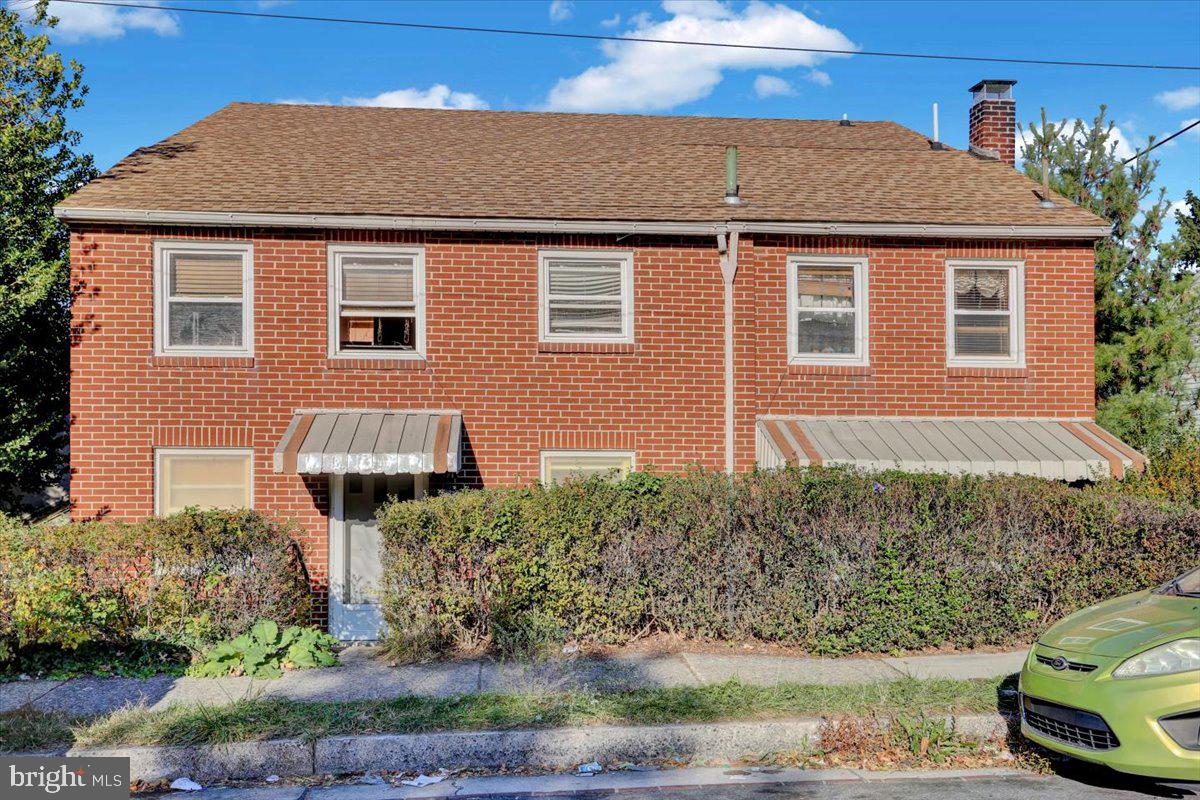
[(1119, 683)]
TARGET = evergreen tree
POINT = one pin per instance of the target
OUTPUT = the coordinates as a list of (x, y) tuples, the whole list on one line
[(39, 165), (1184, 248), (1147, 306)]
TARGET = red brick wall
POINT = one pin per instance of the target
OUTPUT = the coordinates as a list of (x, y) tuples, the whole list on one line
[(662, 398), (908, 375)]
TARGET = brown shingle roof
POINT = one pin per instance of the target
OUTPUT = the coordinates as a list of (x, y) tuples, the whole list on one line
[(414, 162)]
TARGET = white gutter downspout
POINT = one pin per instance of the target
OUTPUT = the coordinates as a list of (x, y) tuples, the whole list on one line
[(729, 267)]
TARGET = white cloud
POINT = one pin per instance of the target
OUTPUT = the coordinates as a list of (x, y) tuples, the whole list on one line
[(1194, 133), (772, 86), (705, 9), (79, 22), (820, 78), (561, 10), (642, 76), (265, 5), (1126, 148), (437, 96), (612, 21), (1179, 99), (1178, 207)]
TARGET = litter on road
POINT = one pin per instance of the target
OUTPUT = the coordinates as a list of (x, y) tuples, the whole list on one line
[(426, 780)]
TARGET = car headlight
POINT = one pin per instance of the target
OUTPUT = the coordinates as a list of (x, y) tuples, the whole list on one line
[(1166, 659)]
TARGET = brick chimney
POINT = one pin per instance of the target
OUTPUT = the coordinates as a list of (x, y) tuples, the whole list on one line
[(994, 120)]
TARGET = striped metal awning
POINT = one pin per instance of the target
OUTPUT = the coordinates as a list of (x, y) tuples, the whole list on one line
[(370, 442), (1061, 449)]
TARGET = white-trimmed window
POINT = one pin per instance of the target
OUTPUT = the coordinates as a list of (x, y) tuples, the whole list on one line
[(203, 298), (558, 465), (827, 310), (985, 313), (376, 301), (585, 296), (202, 478)]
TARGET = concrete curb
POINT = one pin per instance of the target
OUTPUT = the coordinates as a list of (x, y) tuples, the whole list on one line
[(554, 748), (219, 762)]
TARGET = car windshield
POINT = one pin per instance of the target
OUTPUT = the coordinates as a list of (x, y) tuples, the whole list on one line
[(1187, 584)]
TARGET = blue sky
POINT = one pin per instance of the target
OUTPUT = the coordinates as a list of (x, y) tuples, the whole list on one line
[(154, 72)]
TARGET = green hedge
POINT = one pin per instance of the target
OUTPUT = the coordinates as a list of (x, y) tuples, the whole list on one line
[(187, 580), (832, 560)]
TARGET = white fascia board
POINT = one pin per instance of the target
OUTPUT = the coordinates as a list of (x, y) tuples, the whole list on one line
[(926, 231), (371, 222), (368, 222)]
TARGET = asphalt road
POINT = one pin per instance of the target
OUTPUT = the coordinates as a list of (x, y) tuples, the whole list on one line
[(1106, 787), (1076, 782)]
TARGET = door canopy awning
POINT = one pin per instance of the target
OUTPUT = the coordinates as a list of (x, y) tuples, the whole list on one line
[(1060, 449), (371, 443)]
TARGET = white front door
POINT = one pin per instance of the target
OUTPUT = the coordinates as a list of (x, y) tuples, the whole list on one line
[(354, 564)]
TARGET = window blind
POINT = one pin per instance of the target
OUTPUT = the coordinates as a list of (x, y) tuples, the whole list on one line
[(982, 313), (206, 275), (585, 297), (981, 289), (378, 285)]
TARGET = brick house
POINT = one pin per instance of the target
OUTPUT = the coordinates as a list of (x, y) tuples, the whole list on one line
[(307, 308)]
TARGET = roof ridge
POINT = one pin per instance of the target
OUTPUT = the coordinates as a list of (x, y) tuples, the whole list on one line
[(537, 113)]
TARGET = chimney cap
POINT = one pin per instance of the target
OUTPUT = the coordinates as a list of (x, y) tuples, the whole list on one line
[(993, 89)]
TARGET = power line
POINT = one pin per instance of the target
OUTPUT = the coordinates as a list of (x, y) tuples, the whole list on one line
[(1161, 142), (1138, 155), (602, 38)]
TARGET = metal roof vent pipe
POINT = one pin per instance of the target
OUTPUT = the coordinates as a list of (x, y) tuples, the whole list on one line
[(845, 121), (732, 190), (935, 143)]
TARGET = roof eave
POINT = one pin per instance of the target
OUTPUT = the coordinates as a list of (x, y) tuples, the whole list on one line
[(518, 225)]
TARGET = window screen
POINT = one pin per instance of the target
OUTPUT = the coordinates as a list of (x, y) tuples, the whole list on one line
[(558, 466), (828, 309), (586, 297), (983, 312), (825, 309), (205, 296), (204, 479), (377, 303)]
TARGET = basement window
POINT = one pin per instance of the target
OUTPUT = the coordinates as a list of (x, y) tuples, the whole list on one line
[(559, 465), (202, 478), (585, 296), (827, 310), (203, 300), (377, 302), (984, 301)]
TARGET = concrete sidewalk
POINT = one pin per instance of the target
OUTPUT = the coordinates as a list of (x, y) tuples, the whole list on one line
[(362, 676)]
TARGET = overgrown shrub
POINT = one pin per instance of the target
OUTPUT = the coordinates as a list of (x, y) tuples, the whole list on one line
[(188, 580), (830, 560), (1173, 473)]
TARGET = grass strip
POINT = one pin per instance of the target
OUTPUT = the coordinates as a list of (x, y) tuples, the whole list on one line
[(26, 730), (258, 719)]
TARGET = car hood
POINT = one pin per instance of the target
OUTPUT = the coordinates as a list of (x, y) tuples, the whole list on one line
[(1125, 626)]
